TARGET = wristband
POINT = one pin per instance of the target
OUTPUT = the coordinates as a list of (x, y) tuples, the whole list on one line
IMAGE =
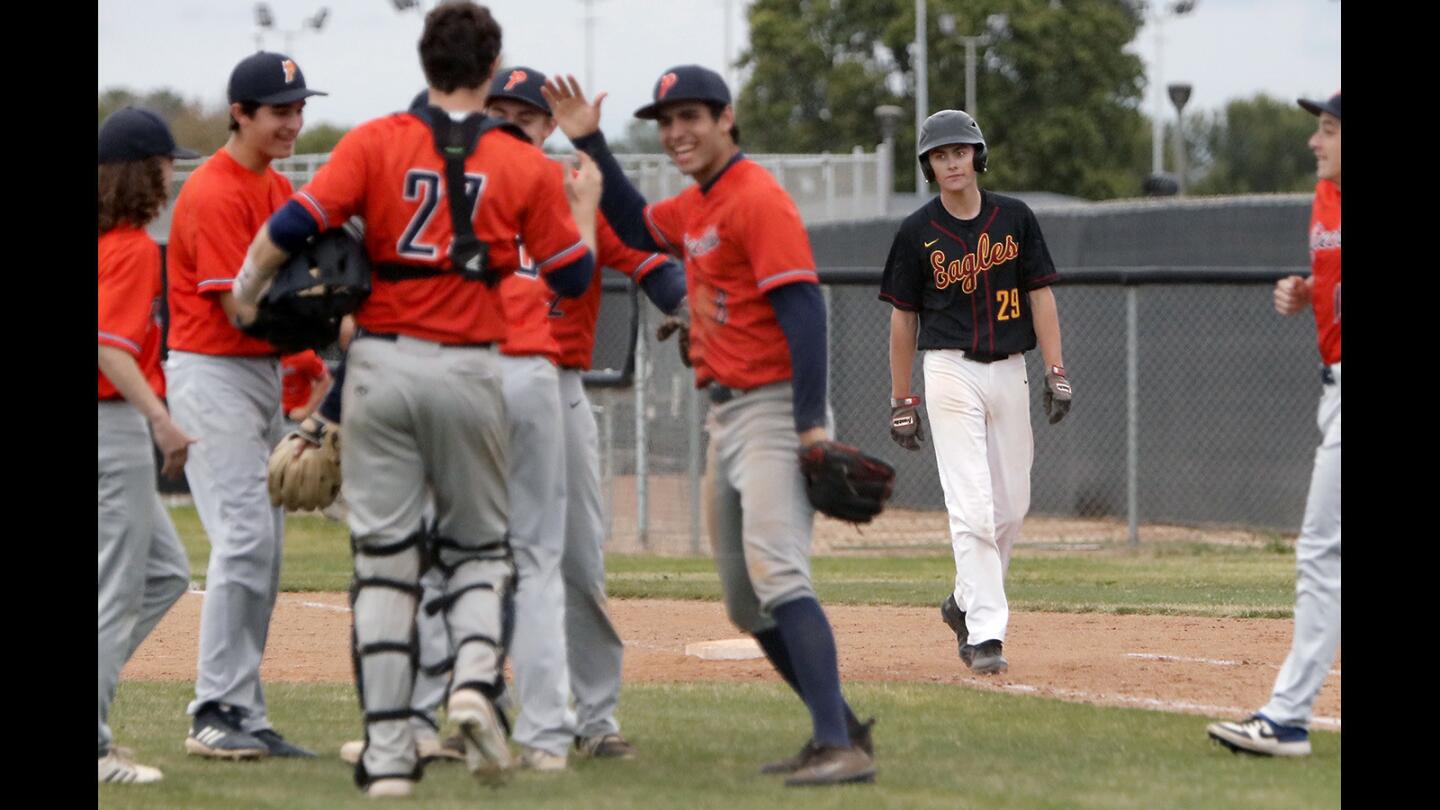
[(913, 399)]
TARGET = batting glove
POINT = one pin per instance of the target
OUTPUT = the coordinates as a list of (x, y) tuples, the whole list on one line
[(905, 425), (678, 322), (1057, 394)]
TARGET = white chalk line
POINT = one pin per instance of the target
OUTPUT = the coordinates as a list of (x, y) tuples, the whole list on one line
[(1219, 662), (1332, 723)]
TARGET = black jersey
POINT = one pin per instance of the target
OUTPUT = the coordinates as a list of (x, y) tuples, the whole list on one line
[(968, 279)]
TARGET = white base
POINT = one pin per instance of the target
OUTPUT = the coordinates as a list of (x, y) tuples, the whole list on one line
[(730, 649)]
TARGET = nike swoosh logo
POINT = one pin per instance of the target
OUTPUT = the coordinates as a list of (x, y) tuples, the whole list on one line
[(931, 242), (576, 402)]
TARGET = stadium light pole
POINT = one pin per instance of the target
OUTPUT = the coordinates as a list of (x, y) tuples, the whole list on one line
[(1157, 13), (922, 84), (1179, 95)]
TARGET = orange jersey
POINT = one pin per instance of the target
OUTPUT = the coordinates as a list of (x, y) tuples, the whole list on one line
[(1325, 269), (130, 303), (542, 323), (741, 238), (387, 171), (299, 373), (220, 209)]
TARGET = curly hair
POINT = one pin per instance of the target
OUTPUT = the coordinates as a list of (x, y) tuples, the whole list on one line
[(458, 46), (131, 192)]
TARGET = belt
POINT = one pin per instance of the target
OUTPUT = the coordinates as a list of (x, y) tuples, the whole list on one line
[(1327, 377), (719, 394), (985, 358), (392, 337)]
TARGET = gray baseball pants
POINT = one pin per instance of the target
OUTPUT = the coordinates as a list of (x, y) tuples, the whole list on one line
[(1317, 581), (142, 566), (232, 406)]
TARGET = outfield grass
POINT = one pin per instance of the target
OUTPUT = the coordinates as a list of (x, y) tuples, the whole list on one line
[(936, 747), (1174, 579)]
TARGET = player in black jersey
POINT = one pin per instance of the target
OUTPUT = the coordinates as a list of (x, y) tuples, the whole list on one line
[(970, 272)]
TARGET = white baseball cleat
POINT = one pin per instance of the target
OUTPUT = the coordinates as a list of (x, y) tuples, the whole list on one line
[(117, 768), (1259, 735), (487, 753), (538, 760)]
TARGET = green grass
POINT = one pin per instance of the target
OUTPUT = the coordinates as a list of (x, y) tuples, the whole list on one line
[(1183, 579), (937, 747)]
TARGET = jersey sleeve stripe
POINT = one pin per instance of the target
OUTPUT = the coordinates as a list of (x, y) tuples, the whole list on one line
[(898, 304), (1042, 281), (120, 342), (223, 283), (566, 253), (656, 232), (787, 276), (650, 263), (316, 209)]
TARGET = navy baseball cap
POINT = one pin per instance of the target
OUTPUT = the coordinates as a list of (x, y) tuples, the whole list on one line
[(1316, 107), (134, 133), (521, 84), (268, 78), (686, 83)]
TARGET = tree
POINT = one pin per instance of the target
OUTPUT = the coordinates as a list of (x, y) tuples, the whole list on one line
[(641, 138), (318, 139), (1254, 145), (1058, 96)]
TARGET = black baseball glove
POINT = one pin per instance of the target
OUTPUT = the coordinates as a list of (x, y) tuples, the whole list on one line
[(844, 482), (320, 284)]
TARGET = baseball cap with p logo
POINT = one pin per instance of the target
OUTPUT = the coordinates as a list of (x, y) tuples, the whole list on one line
[(685, 83), (134, 133), (268, 78), (521, 84)]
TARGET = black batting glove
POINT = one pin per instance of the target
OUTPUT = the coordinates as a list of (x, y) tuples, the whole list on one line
[(1057, 394), (905, 425)]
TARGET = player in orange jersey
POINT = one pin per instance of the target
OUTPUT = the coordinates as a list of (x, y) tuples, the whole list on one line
[(225, 390), (448, 196), (304, 381), (142, 567), (758, 342)]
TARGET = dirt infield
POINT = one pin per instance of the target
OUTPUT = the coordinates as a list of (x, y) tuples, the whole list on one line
[(1208, 666)]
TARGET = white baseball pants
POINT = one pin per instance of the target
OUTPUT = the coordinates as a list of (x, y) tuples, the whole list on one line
[(980, 426)]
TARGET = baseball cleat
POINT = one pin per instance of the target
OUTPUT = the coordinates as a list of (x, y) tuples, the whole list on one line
[(536, 759), (828, 765), (117, 768), (351, 751), (280, 747), (216, 734), (433, 749), (951, 613), (859, 736), (605, 746), (987, 658), (1259, 735), (390, 789), (487, 753)]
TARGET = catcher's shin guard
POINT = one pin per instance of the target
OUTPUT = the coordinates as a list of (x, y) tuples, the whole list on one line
[(479, 606), (383, 600)]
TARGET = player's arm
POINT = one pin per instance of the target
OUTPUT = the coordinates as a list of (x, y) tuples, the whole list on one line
[(318, 390), (661, 279), (903, 328), (1046, 318), (120, 368), (284, 233), (1292, 294), (623, 205), (801, 312), (582, 191)]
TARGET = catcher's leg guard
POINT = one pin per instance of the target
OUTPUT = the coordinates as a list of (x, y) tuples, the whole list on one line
[(479, 610), (383, 598)]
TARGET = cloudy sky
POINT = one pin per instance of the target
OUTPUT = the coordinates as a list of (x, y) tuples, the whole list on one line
[(365, 55)]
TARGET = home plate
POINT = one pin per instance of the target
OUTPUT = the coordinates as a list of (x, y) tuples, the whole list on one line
[(730, 649)]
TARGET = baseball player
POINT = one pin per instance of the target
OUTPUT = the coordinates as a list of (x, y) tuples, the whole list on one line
[(1281, 727), (444, 193), (304, 382), (225, 391), (969, 271), (563, 333), (142, 566), (757, 340)]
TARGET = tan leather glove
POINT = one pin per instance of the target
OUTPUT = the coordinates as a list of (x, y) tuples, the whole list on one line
[(305, 466)]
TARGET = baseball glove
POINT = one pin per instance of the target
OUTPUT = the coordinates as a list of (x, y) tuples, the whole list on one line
[(305, 466), (844, 482), (677, 322), (320, 284)]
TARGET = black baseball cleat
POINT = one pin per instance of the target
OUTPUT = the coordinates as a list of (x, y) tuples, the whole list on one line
[(216, 734), (859, 736), (280, 747), (986, 658), (955, 617), (828, 765)]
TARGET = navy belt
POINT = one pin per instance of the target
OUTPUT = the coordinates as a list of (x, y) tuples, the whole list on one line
[(1327, 377), (719, 394), (392, 337)]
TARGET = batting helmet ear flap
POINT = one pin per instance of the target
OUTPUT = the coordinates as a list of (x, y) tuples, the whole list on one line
[(925, 168), (982, 157)]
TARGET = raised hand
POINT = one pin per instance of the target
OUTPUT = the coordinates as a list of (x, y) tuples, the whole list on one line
[(583, 188), (576, 116)]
